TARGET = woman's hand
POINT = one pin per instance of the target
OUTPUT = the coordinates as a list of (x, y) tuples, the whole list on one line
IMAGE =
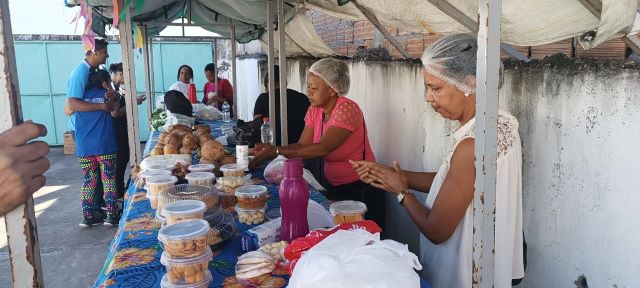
[(391, 179), (263, 153)]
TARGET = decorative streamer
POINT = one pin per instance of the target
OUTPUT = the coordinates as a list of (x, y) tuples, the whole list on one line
[(116, 12), (88, 38)]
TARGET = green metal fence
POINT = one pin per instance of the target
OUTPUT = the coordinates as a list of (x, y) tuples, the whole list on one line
[(44, 68)]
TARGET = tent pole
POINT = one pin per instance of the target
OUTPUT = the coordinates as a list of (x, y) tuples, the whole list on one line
[(486, 130), (282, 51), (128, 67), (595, 7), (22, 232), (471, 24), (152, 79), (147, 71), (233, 70), (270, 67), (215, 64), (374, 20)]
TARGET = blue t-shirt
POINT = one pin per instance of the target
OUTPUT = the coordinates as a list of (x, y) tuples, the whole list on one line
[(77, 83), (94, 130)]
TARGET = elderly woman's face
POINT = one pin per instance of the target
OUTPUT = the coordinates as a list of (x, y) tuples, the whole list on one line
[(318, 91), (445, 99)]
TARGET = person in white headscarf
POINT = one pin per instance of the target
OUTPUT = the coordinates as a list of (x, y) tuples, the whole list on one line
[(446, 219)]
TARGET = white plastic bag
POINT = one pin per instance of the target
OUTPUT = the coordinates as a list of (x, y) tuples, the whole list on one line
[(356, 258), (205, 112), (273, 173), (174, 119)]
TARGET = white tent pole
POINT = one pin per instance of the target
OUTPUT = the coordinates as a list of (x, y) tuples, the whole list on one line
[(234, 53), (595, 7), (270, 63), (147, 71), (486, 130), (284, 135), (374, 20), (128, 67), (471, 24), (22, 232), (215, 64)]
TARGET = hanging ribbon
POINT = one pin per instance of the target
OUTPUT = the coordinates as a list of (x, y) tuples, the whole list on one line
[(116, 12), (139, 40), (88, 38)]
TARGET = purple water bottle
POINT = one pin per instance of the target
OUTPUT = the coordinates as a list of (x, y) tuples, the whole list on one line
[(294, 199)]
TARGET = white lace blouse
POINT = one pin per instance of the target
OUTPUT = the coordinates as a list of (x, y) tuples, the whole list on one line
[(449, 264)]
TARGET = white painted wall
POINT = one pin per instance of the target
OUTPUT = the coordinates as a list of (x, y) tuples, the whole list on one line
[(580, 130), (248, 87)]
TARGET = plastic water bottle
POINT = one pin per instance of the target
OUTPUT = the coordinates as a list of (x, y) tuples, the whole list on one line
[(265, 131), (294, 199), (226, 112)]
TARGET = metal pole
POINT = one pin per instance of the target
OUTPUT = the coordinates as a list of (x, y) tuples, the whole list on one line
[(374, 20), (233, 70), (270, 63), (215, 64), (22, 233), (128, 67), (283, 75), (152, 76), (147, 72), (484, 201)]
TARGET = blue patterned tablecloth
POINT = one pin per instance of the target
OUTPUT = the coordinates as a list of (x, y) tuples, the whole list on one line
[(134, 253)]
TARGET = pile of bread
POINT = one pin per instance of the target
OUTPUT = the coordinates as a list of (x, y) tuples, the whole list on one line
[(181, 139)]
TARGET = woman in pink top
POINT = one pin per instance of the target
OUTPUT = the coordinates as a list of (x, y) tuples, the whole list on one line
[(335, 131)]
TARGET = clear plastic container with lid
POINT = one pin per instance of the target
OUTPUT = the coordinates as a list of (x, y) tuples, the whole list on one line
[(233, 170), (223, 228), (164, 283), (347, 211), (231, 182), (185, 239), (183, 210), (152, 173), (182, 271), (153, 201), (189, 192), (251, 216), (227, 200), (251, 196), (166, 167), (202, 168), (201, 178), (156, 184)]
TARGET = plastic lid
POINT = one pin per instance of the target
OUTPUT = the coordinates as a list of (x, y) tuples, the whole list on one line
[(250, 191), (347, 207), (201, 167), (154, 173), (231, 167), (167, 167), (164, 283), (200, 176), (184, 230), (239, 209), (162, 180), (166, 260), (184, 207)]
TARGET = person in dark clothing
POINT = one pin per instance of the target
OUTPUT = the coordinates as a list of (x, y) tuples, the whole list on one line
[(297, 106), (120, 129)]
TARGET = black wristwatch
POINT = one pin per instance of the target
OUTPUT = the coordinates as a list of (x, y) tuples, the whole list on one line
[(402, 194)]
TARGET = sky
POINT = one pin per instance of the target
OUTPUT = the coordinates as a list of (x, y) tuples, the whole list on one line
[(53, 17)]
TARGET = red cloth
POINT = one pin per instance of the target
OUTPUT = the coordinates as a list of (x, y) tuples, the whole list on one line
[(346, 115), (225, 90)]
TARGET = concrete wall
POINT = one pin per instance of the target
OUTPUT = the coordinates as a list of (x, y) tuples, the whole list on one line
[(580, 126)]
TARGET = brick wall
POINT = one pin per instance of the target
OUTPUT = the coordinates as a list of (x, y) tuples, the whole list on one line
[(344, 37)]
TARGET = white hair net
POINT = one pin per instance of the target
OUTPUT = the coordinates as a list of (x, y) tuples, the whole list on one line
[(453, 59), (334, 72)]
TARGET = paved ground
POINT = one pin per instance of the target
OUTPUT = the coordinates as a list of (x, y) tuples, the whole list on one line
[(72, 256)]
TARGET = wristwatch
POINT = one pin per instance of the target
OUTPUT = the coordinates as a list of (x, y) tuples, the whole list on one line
[(402, 194)]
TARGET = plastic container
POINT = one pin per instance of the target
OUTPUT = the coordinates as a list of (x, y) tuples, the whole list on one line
[(223, 228), (152, 173), (153, 201), (166, 167), (157, 184), (251, 216), (251, 196), (233, 170), (164, 283), (182, 271), (347, 211), (189, 192), (227, 200), (202, 168), (201, 178), (232, 182), (186, 239), (183, 210)]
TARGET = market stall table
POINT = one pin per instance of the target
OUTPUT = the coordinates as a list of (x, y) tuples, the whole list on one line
[(134, 254)]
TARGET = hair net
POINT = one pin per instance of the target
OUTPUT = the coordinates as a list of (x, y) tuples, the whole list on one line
[(334, 72), (453, 59)]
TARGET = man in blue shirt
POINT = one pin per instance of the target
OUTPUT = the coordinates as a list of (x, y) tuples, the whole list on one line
[(90, 106)]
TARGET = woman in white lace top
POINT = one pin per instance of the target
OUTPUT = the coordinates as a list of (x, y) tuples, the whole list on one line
[(446, 219)]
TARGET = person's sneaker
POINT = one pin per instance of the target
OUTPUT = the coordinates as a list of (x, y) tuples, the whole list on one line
[(88, 222), (100, 214), (112, 220)]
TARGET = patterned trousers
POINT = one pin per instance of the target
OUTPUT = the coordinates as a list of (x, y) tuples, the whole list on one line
[(94, 168)]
